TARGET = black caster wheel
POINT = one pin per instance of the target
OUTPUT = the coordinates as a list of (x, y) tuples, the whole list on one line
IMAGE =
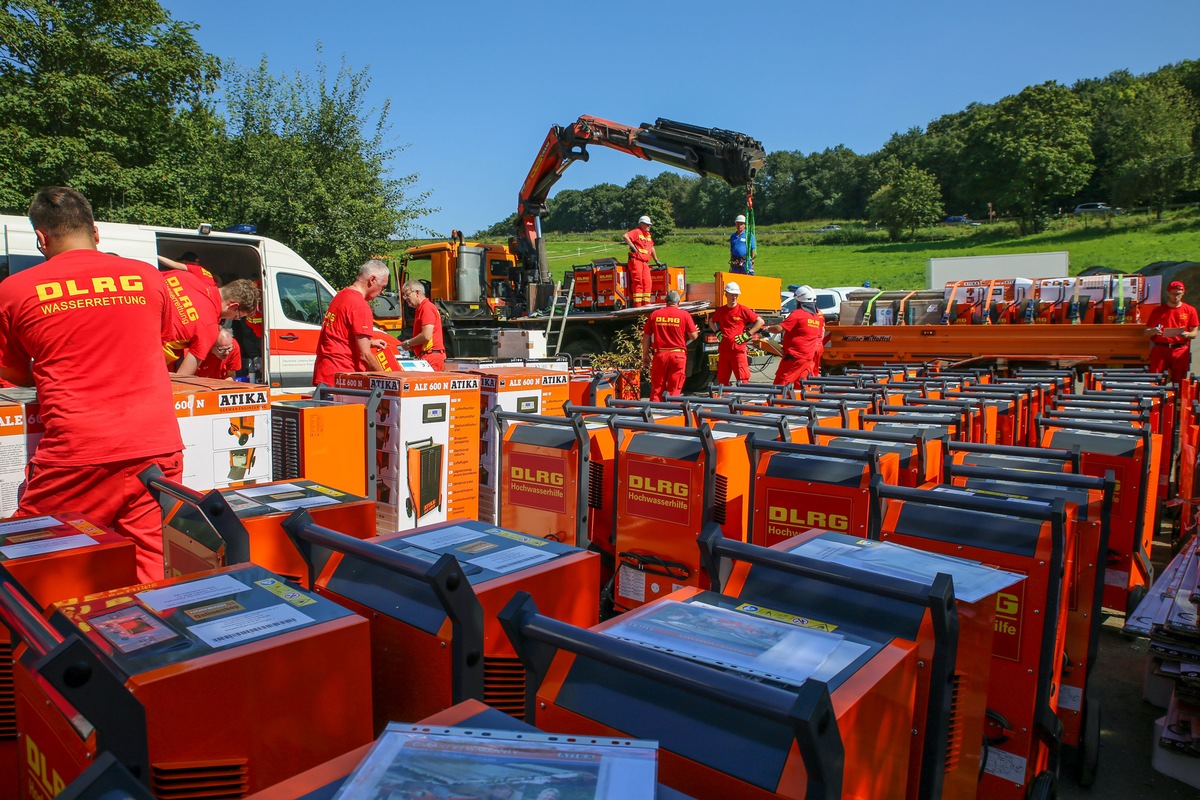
[(1044, 787), (408, 507)]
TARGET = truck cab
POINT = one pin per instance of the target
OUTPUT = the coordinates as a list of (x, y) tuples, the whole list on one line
[(295, 296)]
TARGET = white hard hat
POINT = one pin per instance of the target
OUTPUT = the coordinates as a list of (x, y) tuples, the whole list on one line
[(644, 220), (732, 288), (805, 293), (740, 218)]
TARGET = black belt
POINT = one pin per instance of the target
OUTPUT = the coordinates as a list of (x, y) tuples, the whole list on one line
[(1172, 345), (434, 352)]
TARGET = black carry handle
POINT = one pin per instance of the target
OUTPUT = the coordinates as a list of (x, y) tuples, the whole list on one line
[(19, 611), (444, 577), (570, 408), (779, 424), (808, 710)]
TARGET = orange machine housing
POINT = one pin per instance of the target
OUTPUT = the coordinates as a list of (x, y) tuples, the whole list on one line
[(1032, 539), (53, 557), (663, 279), (721, 732), (798, 487), (1132, 455), (322, 441), (583, 296), (239, 525), (666, 489), (433, 596), (1089, 501), (168, 677), (544, 476), (919, 452), (841, 581), (612, 285)]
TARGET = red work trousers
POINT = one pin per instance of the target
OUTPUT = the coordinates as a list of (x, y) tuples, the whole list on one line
[(667, 373), (109, 494), (639, 281), (793, 369), (1176, 360), (731, 360), (436, 360)]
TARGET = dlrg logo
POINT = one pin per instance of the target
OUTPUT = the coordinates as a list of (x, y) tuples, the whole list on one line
[(658, 486), (811, 519)]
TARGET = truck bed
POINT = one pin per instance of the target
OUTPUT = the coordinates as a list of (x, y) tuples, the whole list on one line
[(1107, 345)]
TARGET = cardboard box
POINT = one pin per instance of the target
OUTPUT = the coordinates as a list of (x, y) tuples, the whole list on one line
[(522, 390), (426, 438), (20, 433), (226, 429)]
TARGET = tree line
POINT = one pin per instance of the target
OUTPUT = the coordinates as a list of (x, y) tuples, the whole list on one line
[(117, 99), (1129, 140)]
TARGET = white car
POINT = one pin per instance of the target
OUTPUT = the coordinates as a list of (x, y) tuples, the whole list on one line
[(829, 301)]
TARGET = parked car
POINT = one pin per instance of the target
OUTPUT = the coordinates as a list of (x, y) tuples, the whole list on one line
[(829, 301), (958, 219), (1094, 208), (829, 228)]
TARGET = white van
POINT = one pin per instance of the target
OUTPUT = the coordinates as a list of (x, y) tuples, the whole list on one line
[(294, 295)]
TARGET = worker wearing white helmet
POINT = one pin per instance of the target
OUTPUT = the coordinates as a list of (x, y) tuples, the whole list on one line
[(741, 248), (803, 339), (736, 325), (641, 253)]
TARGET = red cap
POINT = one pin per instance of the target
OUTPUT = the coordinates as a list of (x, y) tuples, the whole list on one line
[(1173, 285)]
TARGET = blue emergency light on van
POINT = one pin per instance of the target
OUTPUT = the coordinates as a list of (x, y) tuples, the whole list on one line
[(242, 227)]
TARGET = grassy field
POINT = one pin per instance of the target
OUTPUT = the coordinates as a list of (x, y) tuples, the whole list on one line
[(797, 254)]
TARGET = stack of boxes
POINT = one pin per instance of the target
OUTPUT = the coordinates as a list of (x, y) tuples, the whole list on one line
[(226, 429), (426, 445)]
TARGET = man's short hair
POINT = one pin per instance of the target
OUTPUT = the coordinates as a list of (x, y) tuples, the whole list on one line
[(223, 333), (672, 297), (414, 286), (371, 267), (59, 210), (189, 258), (243, 292)]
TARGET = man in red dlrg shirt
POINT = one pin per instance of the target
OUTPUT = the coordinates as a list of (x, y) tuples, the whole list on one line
[(345, 341), (641, 253), (51, 316), (803, 339), (426, 341), (1172, 327), (225, 358), (666, 333), (736, 324), (198, 308)]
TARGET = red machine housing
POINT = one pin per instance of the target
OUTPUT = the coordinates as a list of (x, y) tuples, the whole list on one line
[(53, 557), (165, 676), (824, 575), (1032, 539), (798, 487), (720, 732)]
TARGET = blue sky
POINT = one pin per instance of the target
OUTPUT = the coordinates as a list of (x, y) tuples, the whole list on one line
[(474, 86)]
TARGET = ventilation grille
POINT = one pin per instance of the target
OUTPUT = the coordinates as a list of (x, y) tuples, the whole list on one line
[(8, 697), (954, 731), (596, 484), (285, 445), (722, 495), (504, 685), (200, 780)]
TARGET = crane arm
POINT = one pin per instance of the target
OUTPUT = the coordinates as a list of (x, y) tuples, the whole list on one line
[(733, 157)]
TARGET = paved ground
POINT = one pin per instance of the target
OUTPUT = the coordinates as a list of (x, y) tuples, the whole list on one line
[(1126, 720)]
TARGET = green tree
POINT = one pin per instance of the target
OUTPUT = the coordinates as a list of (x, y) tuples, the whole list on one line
[(1150, 138), (909, 200), (307, 161), (109, 97), (659, 210), (1027, 149)]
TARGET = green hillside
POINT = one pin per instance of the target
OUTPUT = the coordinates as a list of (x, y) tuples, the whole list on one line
[(796, 253)]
